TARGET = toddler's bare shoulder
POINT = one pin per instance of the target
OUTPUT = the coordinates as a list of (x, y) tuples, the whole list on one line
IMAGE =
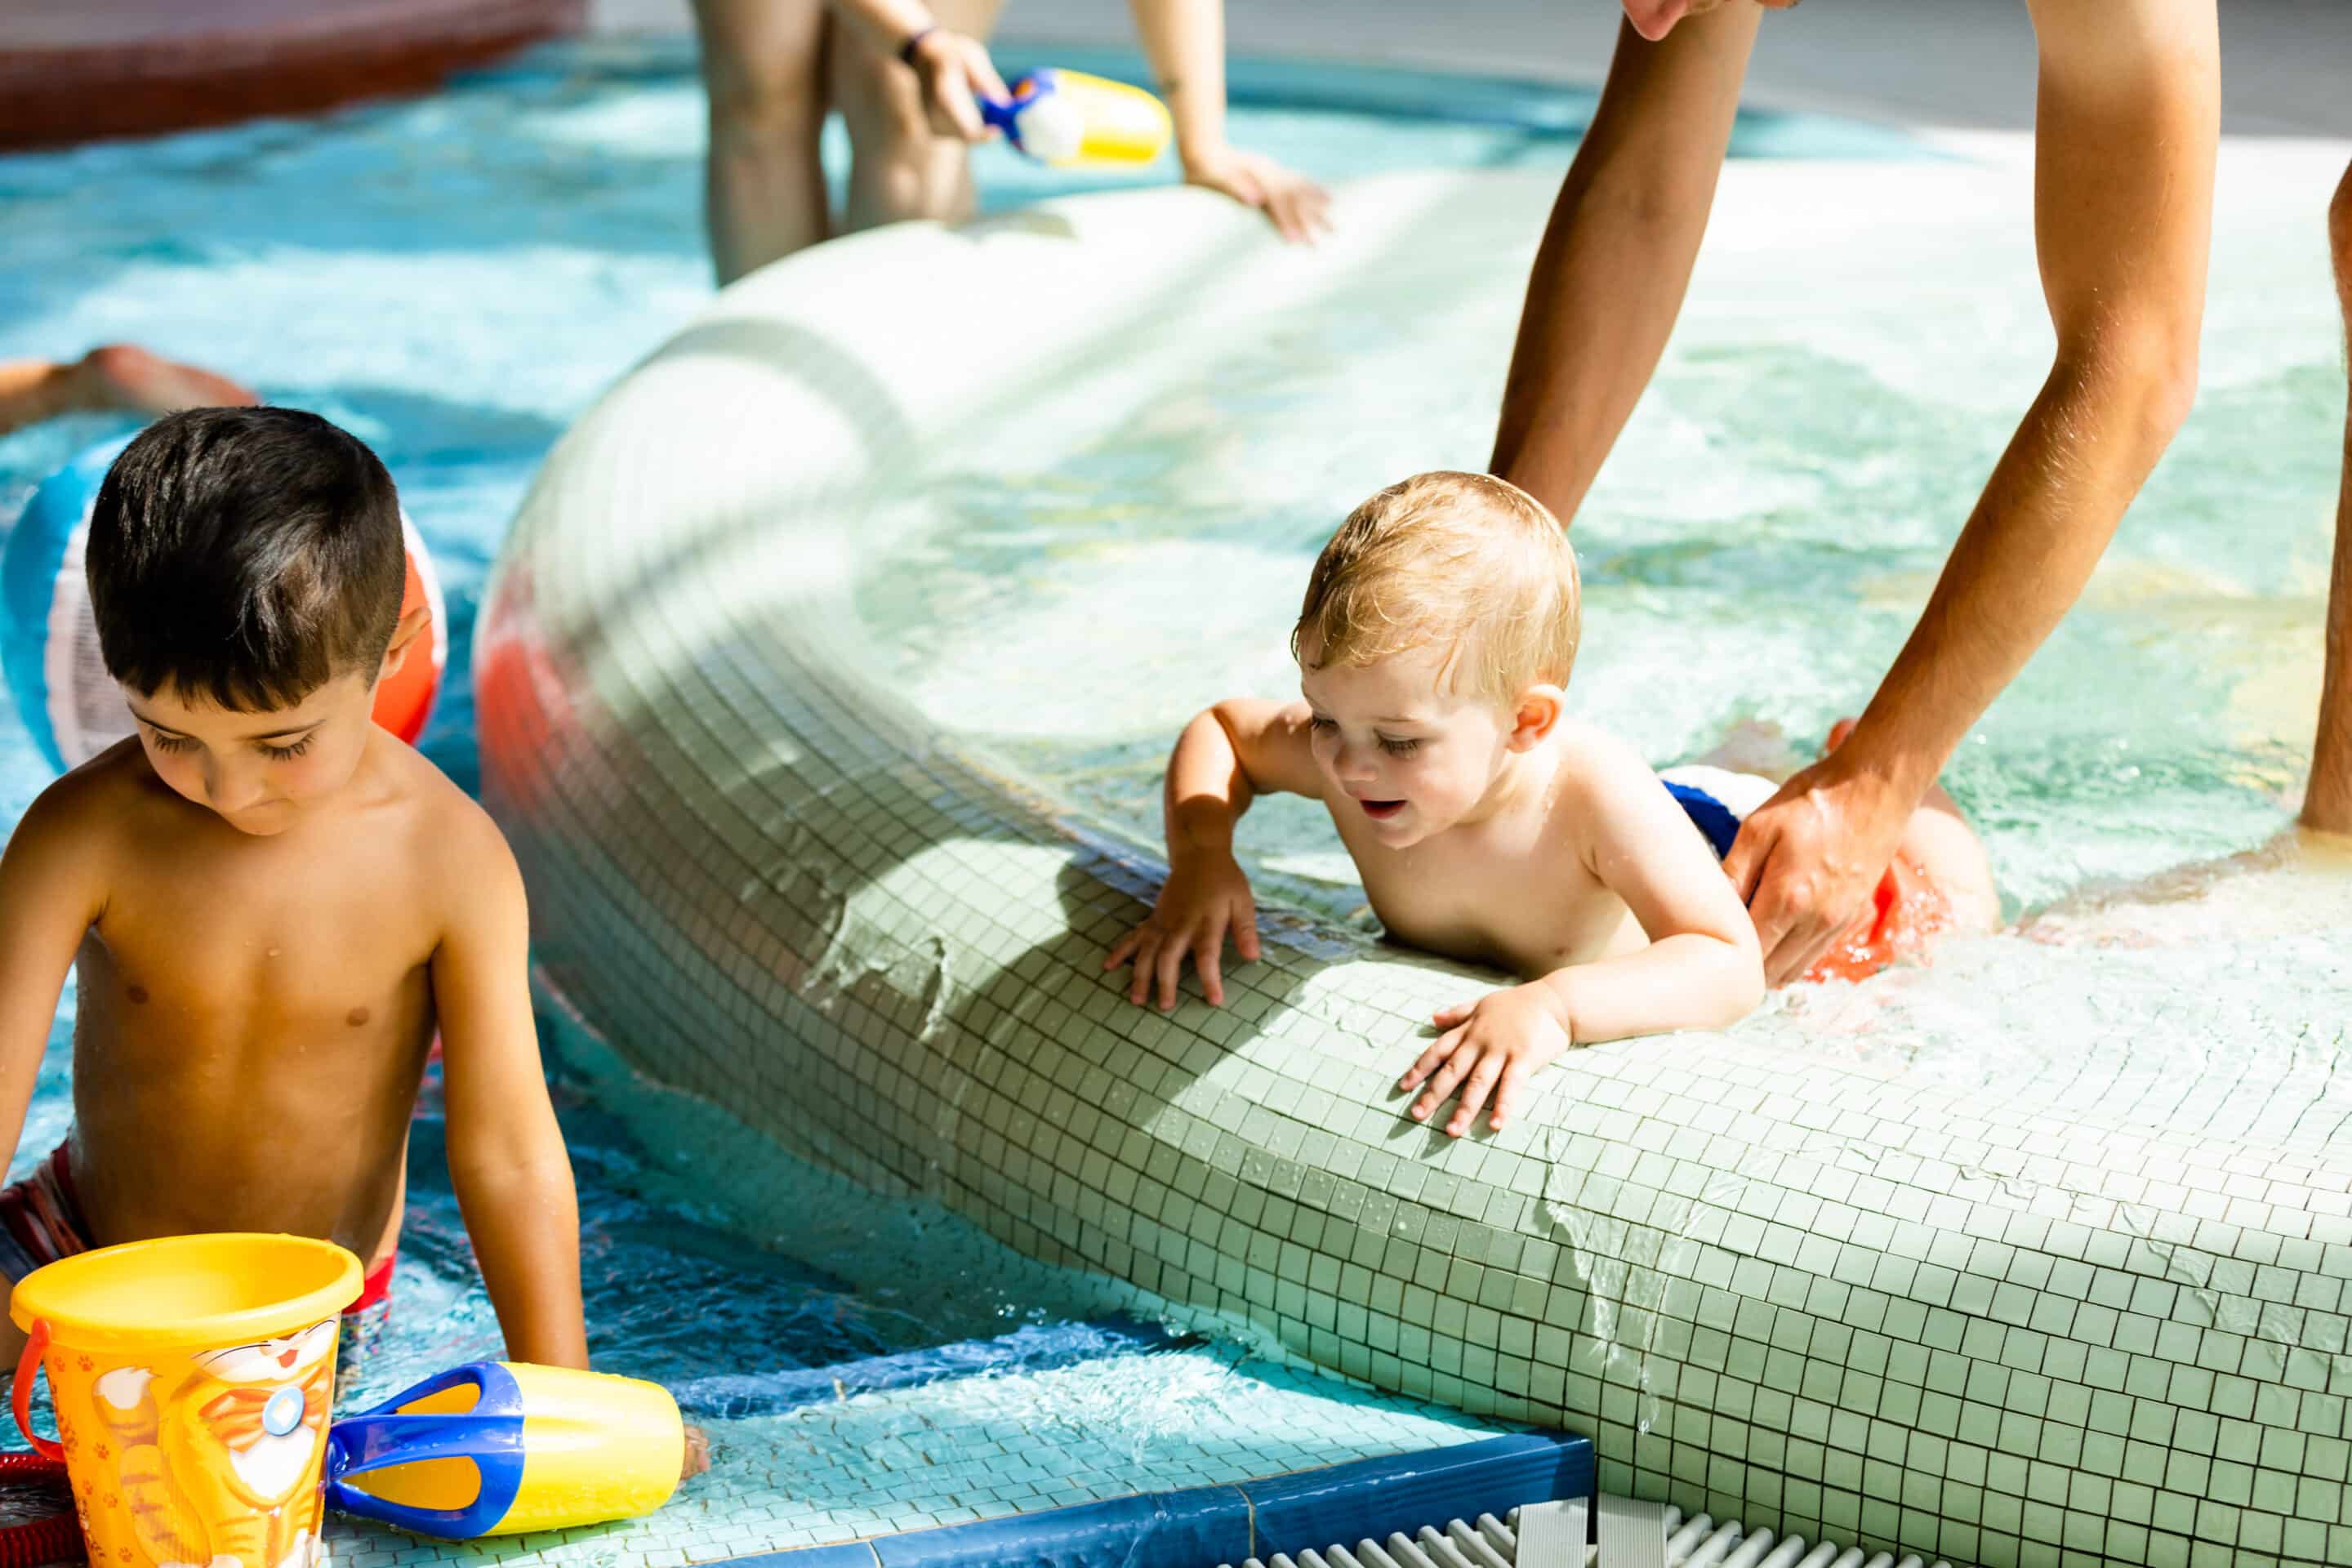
[(1594, 763)]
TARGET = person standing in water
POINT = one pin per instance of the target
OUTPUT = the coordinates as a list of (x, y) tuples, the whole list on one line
[(907, 78), (2327, 801), (2126, 128)]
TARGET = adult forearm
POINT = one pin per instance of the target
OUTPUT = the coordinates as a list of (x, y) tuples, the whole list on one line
[(1616, 257), (2328, 804), (2047, 514), (524, 1222), (2127, 124), (1185, 42)]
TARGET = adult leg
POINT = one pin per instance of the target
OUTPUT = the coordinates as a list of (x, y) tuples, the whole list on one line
[(898, 167), (763, 66), (2328, 804)]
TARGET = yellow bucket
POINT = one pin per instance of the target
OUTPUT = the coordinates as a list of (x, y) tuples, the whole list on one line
[(193, 1377)]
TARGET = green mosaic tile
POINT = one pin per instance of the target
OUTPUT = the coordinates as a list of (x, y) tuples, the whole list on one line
[(2098, 1316)]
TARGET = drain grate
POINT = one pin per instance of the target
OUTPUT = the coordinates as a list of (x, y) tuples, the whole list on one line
[(1554, 1535), (1489, 1543)]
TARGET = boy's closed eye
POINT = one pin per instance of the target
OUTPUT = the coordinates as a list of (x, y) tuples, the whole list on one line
[(167, 741)]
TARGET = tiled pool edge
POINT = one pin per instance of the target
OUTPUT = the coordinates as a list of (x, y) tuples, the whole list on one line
[(1204, 1526), (1795, 1286)]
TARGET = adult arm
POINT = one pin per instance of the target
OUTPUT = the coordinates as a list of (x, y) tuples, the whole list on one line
[(2127, 120), (1616, 257), (2328, 804), (1185, 42), (955, 70), (507, 1159)]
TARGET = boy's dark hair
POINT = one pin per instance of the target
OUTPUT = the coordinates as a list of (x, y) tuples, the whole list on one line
[(246, 555)]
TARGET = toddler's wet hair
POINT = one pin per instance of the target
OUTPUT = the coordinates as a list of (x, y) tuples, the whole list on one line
[(1464, 561), (245, 557)]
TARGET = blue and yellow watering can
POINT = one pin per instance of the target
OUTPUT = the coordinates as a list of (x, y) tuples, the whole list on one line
[(1071, 119), (499, 1448)]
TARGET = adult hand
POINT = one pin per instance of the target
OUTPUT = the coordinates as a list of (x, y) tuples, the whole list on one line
[(1296, 206), (956, 73), (1807, 861)]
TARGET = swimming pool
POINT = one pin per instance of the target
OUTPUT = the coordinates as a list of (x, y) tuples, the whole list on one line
[(546, 214), (2038, 1251), (453, 279)]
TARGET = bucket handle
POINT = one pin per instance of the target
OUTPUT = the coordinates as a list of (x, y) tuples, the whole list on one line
[(28, 1367)]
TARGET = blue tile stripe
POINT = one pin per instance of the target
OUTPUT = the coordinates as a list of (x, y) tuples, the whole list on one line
[(1207, 1525), (1194, 1528), (847, 1554), (1375, 1497)]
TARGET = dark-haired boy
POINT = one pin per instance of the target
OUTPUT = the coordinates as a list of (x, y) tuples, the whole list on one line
[(272, 903)]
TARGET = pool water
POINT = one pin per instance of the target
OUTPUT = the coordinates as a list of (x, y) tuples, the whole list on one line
[(1844, 376), (1753, 554), (453, 279)]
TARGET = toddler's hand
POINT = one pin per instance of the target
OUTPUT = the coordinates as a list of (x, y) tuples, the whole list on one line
[(1203, 900), (1489, 1047), (1294, 205), (697, 1458)]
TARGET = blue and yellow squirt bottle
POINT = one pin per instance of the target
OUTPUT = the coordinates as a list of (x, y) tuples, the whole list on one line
[(1069, 119), (500, 1447)]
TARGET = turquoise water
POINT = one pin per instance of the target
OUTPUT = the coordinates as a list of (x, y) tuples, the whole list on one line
[(454, 280)]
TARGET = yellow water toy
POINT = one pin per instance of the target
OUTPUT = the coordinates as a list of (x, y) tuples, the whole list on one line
[(1070, 119), (500, 1447), (192, 1377)]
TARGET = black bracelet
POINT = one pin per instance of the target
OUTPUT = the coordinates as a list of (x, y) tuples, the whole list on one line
[(906, 49)]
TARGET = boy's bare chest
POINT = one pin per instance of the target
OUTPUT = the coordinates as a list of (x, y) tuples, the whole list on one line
[(247, 939)]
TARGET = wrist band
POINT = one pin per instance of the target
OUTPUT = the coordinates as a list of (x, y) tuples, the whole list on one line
[(906, 49)]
